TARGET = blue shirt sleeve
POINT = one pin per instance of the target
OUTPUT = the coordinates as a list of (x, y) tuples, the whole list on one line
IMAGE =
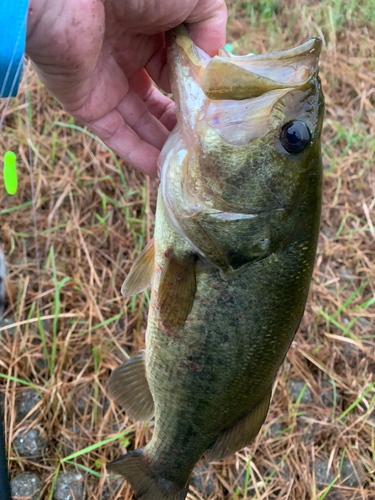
[(13, 18)]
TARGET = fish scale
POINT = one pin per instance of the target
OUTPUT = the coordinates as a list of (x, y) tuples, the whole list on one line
[(236, 230)]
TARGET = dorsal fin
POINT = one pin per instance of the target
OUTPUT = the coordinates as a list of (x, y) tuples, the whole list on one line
[(140, 275), (176, 290)]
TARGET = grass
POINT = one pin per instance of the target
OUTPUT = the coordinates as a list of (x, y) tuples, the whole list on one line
[(94, 214)]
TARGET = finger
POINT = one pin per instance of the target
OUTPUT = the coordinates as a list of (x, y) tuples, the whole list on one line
[(207, 25), (125, 142), (157, 66), (136, 115), (103, 90), (161, 106)]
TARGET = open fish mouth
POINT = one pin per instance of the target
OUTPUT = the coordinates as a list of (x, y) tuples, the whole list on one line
[(227, 76), (236, 95)]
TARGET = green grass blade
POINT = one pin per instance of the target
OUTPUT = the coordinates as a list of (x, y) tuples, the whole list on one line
[(326, 491), (357, 401), (95, 446), (103, 323), (87, 469), (247, 478), (20, 381)]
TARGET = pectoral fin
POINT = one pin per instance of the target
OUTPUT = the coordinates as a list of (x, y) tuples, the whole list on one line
[(129, 386), (140, 275), (242, 434), (176, 291)]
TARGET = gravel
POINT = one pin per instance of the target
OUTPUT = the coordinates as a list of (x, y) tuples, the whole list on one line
[(321, 475), (327, 232), (307, 430), (5, 322), (283, 470), (346, 274), (26, 485), (296, 386), (25, 402), (2, 400), (71, 436), (203, 479), (69, 486), (280, 470), (348, 473), (276, 429), (241, 481), (111, 487), (30, 443), (328, 394), (81, 401), (365, 324)]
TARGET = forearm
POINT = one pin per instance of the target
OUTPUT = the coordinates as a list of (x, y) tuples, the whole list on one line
[(13, 22), (18, 21)]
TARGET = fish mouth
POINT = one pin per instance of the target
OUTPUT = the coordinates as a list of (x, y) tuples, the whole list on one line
[(237, 94), (243, 77), (227, 76)]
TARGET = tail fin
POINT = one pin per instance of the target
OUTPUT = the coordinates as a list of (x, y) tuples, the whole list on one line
[(147, 486)]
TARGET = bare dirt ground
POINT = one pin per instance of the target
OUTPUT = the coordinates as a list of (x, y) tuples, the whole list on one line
[(70, 326)]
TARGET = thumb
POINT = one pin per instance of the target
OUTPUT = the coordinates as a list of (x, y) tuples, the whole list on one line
[(207, 25)]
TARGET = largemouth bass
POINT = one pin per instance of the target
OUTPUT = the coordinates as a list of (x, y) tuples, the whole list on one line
[(230, 265)]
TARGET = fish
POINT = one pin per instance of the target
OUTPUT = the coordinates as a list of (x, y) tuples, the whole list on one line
[(230, 264)]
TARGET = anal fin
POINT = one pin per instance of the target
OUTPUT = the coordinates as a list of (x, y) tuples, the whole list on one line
[(129, 386), (140, 275), (242, 434)]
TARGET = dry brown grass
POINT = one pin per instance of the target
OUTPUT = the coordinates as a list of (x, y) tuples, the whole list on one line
[(92, 221)]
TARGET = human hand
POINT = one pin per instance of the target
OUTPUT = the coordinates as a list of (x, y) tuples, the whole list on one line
[(99, 57)]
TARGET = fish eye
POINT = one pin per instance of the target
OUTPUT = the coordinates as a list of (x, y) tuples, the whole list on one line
[(295, 136)]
